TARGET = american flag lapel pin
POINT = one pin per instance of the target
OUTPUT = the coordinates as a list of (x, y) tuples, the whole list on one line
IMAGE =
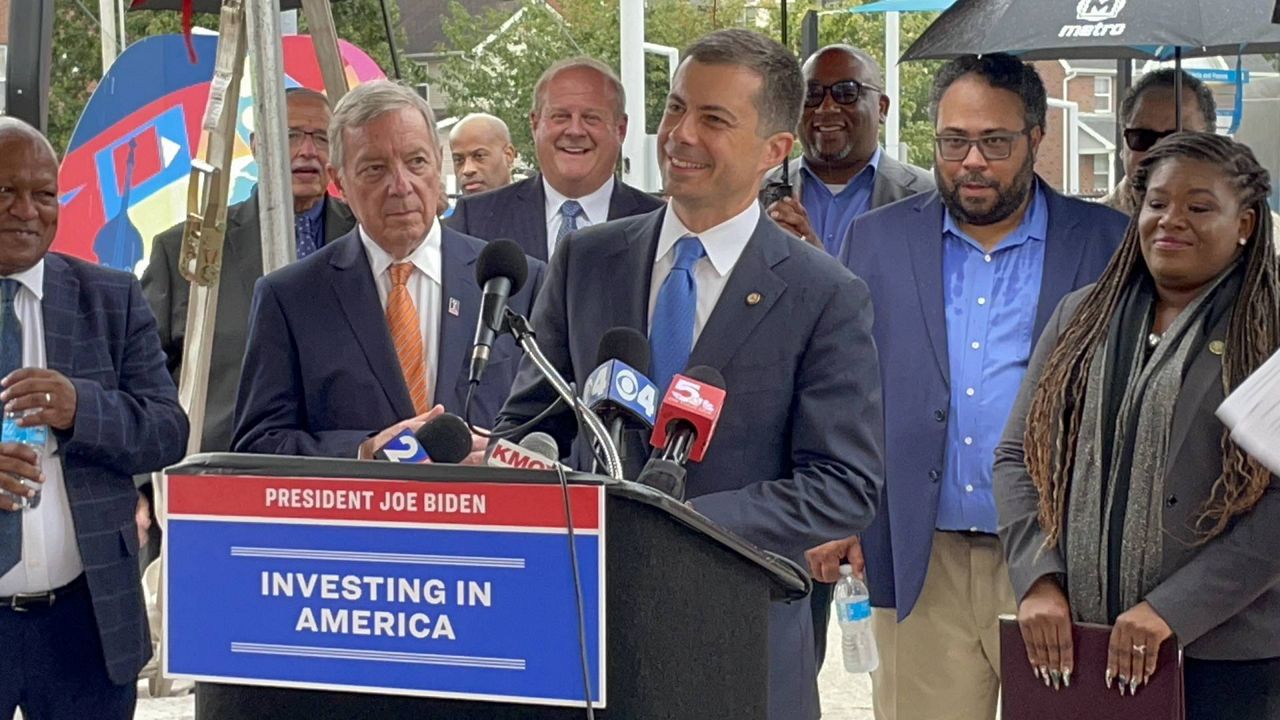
[(455, 307)]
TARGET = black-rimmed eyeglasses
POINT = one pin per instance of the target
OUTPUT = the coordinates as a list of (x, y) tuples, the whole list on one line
[(993, 146), (845, 92)]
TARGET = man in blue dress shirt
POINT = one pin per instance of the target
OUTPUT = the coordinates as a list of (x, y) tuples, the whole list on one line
[(963, 280)]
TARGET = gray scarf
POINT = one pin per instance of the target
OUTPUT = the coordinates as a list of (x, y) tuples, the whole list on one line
[(1150, 387)]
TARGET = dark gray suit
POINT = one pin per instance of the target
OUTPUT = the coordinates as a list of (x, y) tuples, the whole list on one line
[(1222, 598), (167, 292), (796, 457), (519, 212), (894, 180)]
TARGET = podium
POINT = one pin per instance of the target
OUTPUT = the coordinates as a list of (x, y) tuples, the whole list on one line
[(676, 607)]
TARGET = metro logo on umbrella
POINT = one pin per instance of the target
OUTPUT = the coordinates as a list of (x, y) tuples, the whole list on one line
[(1095, 12), (123, 178)]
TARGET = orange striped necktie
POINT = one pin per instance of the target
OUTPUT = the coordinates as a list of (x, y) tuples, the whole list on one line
[(406, 333)]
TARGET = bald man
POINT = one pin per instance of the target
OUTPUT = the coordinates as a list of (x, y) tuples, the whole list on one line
[(81, 364), (843, 172), (482, 153)]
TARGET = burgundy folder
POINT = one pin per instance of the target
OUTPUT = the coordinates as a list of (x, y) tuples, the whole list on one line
[(1025, 697)]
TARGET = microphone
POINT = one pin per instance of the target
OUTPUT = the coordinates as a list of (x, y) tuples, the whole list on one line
[(501, 270), (617, 391), (443, 439), (537, 451), (685, 424)]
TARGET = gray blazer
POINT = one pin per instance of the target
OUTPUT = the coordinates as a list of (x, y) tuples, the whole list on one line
[(894, 180), (1222, 598), (167, 292)]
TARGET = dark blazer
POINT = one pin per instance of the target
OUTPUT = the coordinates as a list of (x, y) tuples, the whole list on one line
[(795, 461), (519, 212), (100, 334), (1222, 598), (168, 292), (894, 180), (320, 371), (898, 251)]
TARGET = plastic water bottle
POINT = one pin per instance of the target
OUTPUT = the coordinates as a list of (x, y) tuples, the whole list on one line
[(35, 437), (853, 612)]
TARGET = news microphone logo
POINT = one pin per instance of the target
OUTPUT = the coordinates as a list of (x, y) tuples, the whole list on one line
[(404, 448), (510, 455), (619, 383), (691, 404)]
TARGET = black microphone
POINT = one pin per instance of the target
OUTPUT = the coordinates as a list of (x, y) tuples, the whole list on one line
[(501, 270), (442, 439), (685, 424)]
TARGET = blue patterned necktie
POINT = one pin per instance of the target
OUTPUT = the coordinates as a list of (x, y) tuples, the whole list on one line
[(570, 210), (671, 331), (10, 360), (304, 234)]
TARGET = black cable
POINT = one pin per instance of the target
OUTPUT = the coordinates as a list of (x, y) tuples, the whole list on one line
[(520, 429), (577, 594)]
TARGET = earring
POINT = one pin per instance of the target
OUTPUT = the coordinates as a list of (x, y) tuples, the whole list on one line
[(1244, 241)]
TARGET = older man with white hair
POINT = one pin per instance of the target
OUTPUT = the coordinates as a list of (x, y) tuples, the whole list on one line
[(370, 335), (482, 153)]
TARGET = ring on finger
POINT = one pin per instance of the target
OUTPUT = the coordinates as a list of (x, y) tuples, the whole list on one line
[(48, 398), (1140, 649)]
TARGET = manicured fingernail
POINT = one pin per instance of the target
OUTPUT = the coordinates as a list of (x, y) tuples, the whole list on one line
[(1066, 677), (1044, 673), (1123, 682), (1057, 679), (1035, 671), (1133, 686), (1109, 677)]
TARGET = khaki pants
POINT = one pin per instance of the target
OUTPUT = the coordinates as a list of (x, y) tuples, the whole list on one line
[(943, 661)]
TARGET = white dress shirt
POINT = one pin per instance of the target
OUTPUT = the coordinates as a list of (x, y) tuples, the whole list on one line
[(50, 555), (723, 243), (595, 209), (424, 286)]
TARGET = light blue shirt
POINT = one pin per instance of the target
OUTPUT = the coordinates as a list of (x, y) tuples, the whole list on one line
[(831, 215), (991, 300)]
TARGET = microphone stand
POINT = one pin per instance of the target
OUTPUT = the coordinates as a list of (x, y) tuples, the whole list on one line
[(519, 327)]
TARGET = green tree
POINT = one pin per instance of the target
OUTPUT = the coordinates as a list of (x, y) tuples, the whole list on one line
[(497, 69), (77, 60)]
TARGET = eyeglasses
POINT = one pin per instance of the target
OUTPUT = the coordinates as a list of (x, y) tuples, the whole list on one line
[(319, 137), (996, 146), (845, 92), (1142, 139)]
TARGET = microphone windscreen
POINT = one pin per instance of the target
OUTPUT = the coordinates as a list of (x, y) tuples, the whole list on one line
[(446, 438), (502, 258), (705, 374), (542, 444), (626, 344)]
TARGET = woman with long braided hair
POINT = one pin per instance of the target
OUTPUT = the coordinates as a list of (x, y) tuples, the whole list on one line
[(1121, 497)]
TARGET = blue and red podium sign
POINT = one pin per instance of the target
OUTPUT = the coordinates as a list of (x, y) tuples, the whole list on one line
[(453, 590)]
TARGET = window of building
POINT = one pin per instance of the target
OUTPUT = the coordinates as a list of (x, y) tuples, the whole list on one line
[(1102, 94), (1101, 173)]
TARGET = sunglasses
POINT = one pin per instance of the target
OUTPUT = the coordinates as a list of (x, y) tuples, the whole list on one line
[(1142, 139), (845, 92)]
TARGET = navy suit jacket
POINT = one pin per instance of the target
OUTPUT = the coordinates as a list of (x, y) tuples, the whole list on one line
[(798, 440), (519, 212), (897, 249), (321, 373), (100, 334)]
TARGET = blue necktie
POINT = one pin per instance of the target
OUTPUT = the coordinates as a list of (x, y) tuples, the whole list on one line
[(671, 331), (569, 212), (304, 234), (10, 360)]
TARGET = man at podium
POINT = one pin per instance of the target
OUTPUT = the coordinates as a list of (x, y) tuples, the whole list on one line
[(796, 458)]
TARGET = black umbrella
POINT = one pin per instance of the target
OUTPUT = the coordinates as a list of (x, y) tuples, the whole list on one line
[(1098, 29)]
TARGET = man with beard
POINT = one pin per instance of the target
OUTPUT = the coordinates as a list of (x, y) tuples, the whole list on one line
[(843, 172), (579, 120), (963, 280)]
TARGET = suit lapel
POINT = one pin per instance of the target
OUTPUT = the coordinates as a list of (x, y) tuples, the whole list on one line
[(358, 297), (630, 307), (925, 248), (1063, 252), (733, 319), (60, 311), (338, 220), (621, 202), (892, 182), (1203, 377), (530, 217), (243, 248), (458, 261)]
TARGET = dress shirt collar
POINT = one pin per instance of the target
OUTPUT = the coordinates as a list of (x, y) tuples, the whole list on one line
[(32, 279), (315, 211), (1034, 225), (869, 171), (724, 243), (426, 257), (595, 205)]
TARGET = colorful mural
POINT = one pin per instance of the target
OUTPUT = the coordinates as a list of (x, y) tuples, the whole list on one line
[(124, 176)]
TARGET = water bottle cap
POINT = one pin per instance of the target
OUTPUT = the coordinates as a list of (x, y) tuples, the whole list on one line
[(846, 570)]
